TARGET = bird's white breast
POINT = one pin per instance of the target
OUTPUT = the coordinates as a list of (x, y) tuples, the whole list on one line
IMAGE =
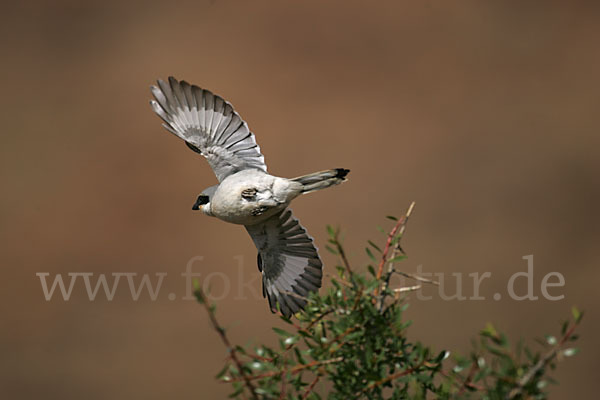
[(229, 205)]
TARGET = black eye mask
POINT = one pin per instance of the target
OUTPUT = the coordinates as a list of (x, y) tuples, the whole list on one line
[(202, 199)]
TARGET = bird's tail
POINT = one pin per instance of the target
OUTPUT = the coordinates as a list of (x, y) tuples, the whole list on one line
[(322, 179)]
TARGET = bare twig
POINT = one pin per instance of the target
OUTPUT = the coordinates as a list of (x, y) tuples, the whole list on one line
[(417, 278), (407, 289), (230, 349)]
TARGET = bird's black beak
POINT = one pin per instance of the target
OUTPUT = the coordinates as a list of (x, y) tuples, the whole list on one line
[(202, 199)]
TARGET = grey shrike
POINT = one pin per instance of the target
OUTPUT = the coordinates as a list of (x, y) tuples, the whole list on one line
[(246, 194)]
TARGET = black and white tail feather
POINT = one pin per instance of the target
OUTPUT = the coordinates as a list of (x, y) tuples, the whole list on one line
[(322, 179)]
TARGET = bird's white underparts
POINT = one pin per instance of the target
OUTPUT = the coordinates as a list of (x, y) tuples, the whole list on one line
[(246, 194)]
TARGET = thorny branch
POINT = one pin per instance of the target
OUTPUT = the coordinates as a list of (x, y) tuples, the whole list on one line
[(390, 378), (416, 277), (394, 235), (230, 349), (295, 369), (329, 348), (400, 225), (541, 364), (342, 253), (310, 387)]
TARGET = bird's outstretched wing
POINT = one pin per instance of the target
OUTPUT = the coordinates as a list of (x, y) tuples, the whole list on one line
[(209, 125), (288, 260)]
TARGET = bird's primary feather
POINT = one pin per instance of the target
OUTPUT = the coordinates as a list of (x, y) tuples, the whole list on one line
[(288, 260), (209, 125)]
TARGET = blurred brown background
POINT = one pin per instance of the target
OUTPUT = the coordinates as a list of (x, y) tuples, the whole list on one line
[(484, 113)]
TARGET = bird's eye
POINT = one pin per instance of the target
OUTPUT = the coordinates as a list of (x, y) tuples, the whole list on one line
[(202, 199)]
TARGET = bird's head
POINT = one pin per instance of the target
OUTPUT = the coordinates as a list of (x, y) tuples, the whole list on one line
[(203, 201)]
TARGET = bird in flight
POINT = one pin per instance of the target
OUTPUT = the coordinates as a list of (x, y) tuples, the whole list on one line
[(246, 194)]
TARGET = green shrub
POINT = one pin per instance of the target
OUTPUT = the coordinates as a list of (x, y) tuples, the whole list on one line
[(353, 338)]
